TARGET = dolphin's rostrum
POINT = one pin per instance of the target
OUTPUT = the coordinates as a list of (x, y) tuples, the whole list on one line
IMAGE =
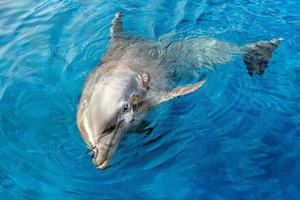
[(135, 75)]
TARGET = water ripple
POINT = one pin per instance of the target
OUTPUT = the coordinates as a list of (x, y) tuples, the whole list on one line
[(235, 138)]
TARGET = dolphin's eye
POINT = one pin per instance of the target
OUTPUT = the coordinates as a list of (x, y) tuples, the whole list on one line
[(125, 108)]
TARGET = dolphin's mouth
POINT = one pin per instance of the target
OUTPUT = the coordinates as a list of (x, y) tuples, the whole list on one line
[(107, 146), (102, 156)]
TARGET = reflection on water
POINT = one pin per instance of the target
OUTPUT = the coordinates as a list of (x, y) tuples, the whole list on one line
[(236, 138)]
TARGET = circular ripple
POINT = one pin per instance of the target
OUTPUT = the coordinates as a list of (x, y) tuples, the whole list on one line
[(236, 136)]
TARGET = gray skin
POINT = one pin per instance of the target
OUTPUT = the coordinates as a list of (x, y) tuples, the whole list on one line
[(136, 75)]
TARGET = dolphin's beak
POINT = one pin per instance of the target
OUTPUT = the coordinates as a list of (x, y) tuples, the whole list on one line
[(107, 146)]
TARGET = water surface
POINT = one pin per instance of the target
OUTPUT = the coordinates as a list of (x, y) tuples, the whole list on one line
[(236, 138)]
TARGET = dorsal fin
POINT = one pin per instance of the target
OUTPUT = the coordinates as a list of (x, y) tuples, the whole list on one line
[(116, 31), (119, 39), (119, 36)]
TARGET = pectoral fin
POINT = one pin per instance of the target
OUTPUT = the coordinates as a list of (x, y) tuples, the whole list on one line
[(182, 90)]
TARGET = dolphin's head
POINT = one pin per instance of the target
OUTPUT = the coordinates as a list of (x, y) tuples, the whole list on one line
[(114, 104)]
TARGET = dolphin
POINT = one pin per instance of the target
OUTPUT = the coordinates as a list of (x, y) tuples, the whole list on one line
[(136, 74)]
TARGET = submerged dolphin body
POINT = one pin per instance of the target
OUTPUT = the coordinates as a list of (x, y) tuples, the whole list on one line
[(136, 75)]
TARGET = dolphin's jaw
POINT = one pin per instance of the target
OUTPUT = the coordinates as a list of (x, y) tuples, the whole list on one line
[(104, 165), (103, 156), (106, 148)]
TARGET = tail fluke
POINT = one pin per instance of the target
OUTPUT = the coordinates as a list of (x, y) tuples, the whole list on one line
[(256, 56)]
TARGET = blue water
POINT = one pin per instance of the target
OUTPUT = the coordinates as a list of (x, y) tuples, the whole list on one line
[(236, 138)]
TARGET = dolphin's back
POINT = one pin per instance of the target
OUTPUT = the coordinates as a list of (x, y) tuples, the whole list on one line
[(137, 53)]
